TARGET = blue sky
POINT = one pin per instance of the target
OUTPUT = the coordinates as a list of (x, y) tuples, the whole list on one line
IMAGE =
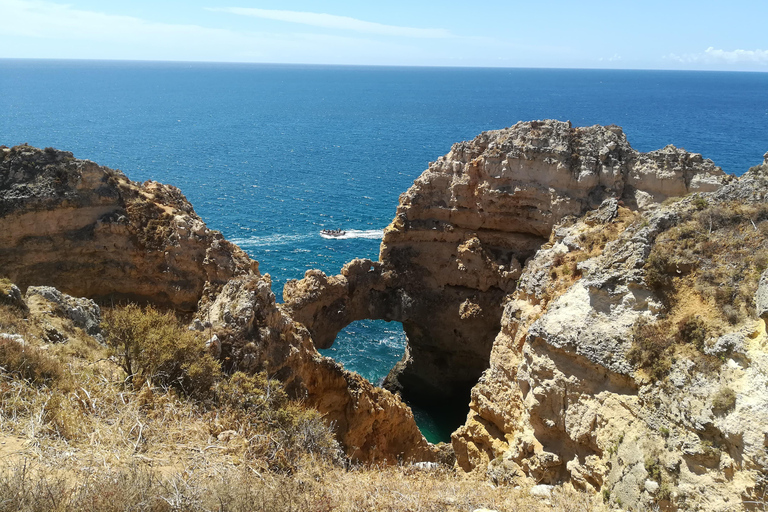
[(631, 34)]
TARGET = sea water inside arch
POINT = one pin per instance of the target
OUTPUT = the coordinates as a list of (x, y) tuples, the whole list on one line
[(270, 155)]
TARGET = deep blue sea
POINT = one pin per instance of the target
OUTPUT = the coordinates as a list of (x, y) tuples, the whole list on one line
[(272, 154)]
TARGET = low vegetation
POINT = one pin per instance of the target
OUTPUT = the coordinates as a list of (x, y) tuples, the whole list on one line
[(152, 346), (718, 251), (706, 268), (148, 421)]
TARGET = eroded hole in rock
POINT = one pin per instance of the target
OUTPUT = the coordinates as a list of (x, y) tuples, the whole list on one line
[(369, 347), (373, 348)]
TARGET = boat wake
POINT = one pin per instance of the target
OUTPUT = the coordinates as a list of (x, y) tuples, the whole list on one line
[(266, 241), (371, 234), (299, 240)]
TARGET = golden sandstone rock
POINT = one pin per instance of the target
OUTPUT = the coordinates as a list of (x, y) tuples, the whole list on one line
[(524, 266)]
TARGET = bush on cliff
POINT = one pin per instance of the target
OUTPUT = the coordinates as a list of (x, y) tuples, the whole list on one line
[(718, 251), (29, 363), (153, 346)]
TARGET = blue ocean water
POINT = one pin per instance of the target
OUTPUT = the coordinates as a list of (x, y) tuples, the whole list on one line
[(271, 154)]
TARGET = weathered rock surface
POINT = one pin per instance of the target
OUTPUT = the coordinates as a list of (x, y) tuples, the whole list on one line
[(372, 424), (465, 228), (84, 313), (74, 226), (562, 400), (10, 294), (90, 232)]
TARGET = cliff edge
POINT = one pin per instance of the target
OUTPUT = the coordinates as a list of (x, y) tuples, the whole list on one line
[(463, 232), (91, 232)]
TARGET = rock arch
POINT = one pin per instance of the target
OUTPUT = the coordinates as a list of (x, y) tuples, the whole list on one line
[(463, 232)]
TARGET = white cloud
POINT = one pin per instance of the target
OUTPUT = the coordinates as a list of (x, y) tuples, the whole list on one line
[(616, 57), (43, 29), (336, 22), (715, 56), (48, 20)]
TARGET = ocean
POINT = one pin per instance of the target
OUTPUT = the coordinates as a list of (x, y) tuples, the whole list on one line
[(272, 154)]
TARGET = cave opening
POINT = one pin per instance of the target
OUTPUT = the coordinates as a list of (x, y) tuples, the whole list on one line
[(372, 348)]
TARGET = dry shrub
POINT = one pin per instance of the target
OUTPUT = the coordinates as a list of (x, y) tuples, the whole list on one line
[(724, 400), (652, 347), (154, 346), (5, 286), (29, 363), (692, 330), (280, 431), (719, 250)]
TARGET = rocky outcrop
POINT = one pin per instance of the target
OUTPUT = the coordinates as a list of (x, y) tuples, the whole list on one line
[(255, 334), (569, 396), (89, 231), (463, 231), (83, 313)]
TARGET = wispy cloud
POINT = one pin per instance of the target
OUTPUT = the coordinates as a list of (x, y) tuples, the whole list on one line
[(616, 58), (336, 22), (715, 56), (45, 29), (49, 20)]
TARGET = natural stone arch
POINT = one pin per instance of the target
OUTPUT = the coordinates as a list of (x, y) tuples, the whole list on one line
[(443, 359), (463, 232)]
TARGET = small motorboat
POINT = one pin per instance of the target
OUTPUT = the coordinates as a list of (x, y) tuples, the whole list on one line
[(332, 233)]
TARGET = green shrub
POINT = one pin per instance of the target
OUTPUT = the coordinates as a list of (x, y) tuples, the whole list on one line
[(653, 468), (154, 346)]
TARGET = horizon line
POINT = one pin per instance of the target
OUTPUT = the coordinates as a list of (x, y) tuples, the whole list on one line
[(410, 66)]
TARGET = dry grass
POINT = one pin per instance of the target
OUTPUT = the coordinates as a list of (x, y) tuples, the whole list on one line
[(86, 438), (320, 488), (719, 251), (565, 271), (706, 268)]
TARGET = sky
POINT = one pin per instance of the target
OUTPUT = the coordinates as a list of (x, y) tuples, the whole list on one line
[(617, 34)]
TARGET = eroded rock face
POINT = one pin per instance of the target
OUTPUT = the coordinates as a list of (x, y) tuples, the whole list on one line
[(372, 424), (563, 400), (463, 231), (90, 231), (74, 226)]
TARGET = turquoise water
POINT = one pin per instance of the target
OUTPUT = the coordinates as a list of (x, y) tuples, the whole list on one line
[(270, 155)]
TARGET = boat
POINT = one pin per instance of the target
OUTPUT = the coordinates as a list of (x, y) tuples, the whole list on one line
[(332, 233)]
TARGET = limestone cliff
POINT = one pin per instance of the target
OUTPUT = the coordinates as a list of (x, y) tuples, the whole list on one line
[(464, 230), (612, 334), (252, 333), (631, 357), (90, 231)]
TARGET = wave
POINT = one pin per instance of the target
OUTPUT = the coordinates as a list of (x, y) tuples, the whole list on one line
[(263, 241), (371, 234), (281, 239)]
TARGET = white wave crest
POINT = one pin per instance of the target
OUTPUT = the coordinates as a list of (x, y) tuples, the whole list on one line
[(298, 239), (264, 241), (371, 234)]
